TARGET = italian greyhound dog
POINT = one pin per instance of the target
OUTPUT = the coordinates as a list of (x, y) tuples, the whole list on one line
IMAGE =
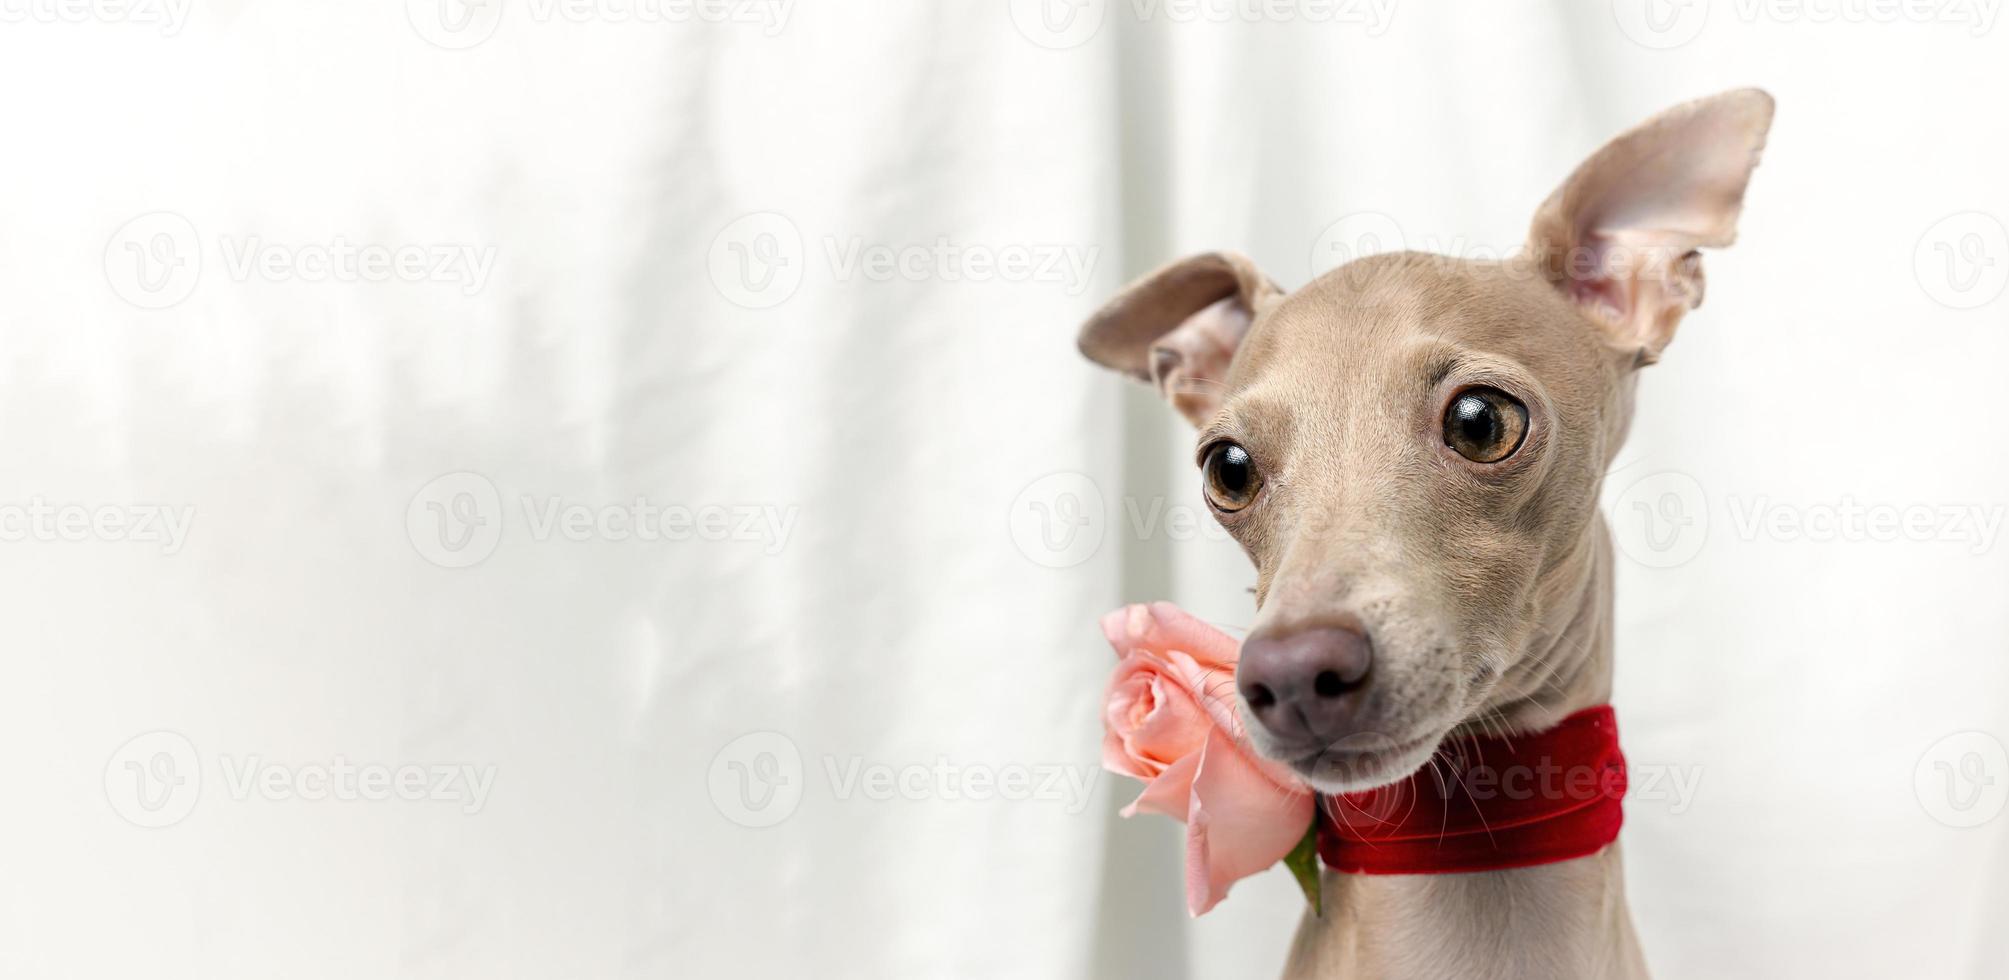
[(1409, 449)]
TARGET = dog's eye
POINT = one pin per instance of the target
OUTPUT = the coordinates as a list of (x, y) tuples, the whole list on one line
[(1485, 425), (1231, 477)]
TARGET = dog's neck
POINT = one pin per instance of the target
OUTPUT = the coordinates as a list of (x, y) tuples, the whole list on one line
[(1567, 919), (1566, 662)]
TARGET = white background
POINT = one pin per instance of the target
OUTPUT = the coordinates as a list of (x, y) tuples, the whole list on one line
[(637, 335)]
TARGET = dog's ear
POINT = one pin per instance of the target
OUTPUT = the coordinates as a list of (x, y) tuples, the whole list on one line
[(1620, 235), (1178, 328)]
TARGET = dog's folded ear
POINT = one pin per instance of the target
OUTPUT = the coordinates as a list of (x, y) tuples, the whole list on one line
[(1178, 328), (1620, 235)]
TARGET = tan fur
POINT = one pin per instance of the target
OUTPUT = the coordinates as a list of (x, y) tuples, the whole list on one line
[(1485, 588)]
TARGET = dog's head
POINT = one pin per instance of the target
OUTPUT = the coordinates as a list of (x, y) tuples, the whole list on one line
[(1410, 447)]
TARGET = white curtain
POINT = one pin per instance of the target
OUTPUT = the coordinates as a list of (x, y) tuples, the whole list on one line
[(664, 434)]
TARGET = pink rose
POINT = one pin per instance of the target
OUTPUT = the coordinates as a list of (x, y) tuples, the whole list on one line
[(1170, 721)]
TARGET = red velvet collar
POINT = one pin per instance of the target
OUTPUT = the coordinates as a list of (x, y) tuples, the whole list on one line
[(1487, 804)]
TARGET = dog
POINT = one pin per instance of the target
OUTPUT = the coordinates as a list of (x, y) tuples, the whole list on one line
[(1410, 449)]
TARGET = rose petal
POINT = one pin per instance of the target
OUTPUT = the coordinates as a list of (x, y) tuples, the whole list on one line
[(1117, 758), (1171, 793), (1176, 727), (1178, 629), (1170, 719), (1240, 821), (1211, 688), (1122, 627), (1162, 627), (1129, 691)]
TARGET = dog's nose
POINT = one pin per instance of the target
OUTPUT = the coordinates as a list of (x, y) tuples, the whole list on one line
[(1304, 685)]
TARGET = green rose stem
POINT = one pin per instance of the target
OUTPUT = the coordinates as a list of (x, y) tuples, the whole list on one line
[(1303, 862)]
